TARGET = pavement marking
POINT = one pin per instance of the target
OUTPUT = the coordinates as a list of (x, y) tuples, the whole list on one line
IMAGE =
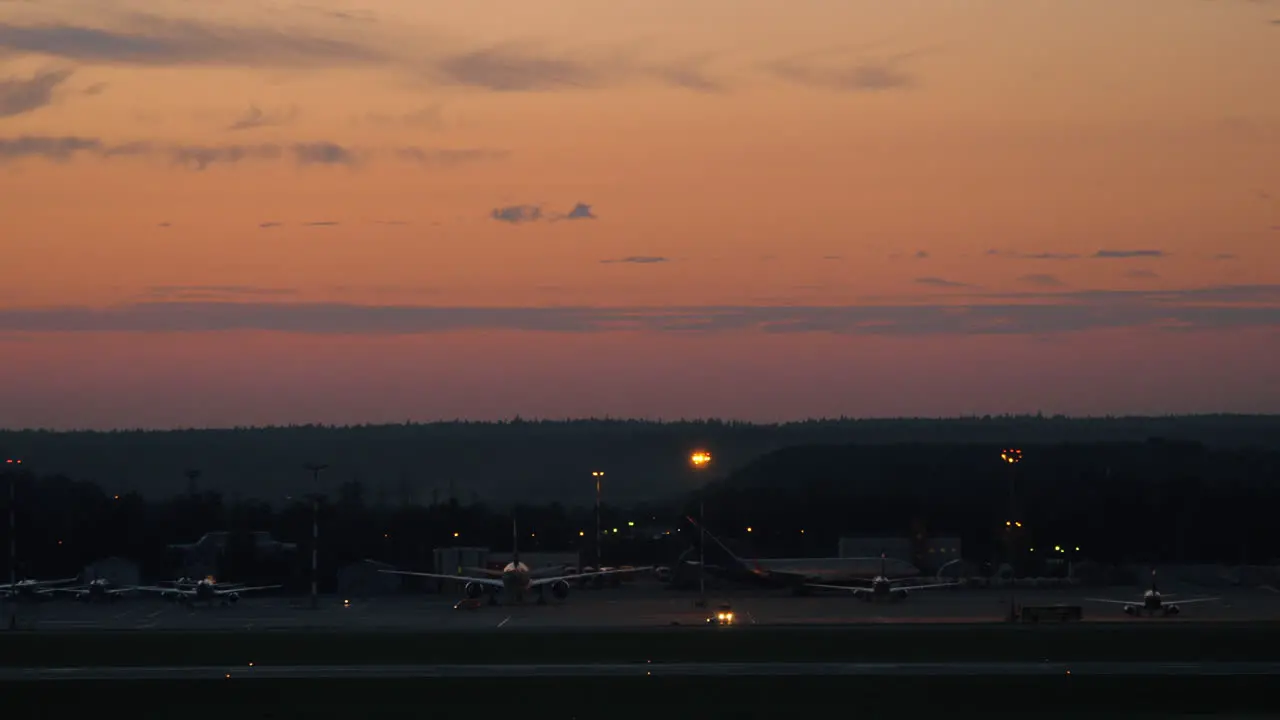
[(504, 621)]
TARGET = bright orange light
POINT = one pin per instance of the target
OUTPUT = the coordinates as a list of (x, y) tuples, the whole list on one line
[(700, 458), (455, 534), (1011, 455), (581, 533), (748, 528), (597, 473)]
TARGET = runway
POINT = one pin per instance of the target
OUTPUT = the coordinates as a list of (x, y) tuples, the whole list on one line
[(719, 669), (637, 606)]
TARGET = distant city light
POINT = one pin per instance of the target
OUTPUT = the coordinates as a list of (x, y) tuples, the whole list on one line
[(1011, 455), (630, 524), (700, 458), (455, 534), (748, 528), (581, 533)]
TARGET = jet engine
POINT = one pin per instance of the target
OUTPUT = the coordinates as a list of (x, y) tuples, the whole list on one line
[(1172, 609), (474, 590), (899, 594), (1131, 609), (232, 597), (560, 589)]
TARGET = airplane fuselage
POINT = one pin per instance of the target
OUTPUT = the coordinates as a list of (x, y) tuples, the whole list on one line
[(516, 580)]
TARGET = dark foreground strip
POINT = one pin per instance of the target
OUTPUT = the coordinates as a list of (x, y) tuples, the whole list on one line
[(635, 670), (1119, 642), (653, 697)]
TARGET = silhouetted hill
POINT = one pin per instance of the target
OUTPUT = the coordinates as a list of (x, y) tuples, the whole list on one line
[(538, 461), (1158, 498)]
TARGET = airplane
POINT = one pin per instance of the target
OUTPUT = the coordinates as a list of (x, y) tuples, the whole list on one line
[(794, 573), (98, 590), (516, 579), (206, 590), (32, 589), (1152, 602), (882, 587)]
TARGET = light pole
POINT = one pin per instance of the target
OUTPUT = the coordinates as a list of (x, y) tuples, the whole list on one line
[(11, 466), (315, 470), (701, 459), (1011, 457), (599, 476)]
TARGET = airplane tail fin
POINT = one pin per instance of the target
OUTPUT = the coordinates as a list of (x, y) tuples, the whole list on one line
[(515, 541), (1153, 580), (882, 564), (736, 560)]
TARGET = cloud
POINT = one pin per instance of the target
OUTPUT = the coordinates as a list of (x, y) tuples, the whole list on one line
[(507, 68), (639, 260), (520, 67), (1011, 254), (254, 117), (1129, 254), (197, 157), (1184, 310), (270, 224), (213, 292), (921, 255), (154, 41), (321, 223), (848, 75), (940, 282), (580, 211), (516, 214), (1041, 279), (96, 89), (1139, 274), (431, 116), (449, 157), (19, 96), (164, 224), (832, 257), (323, 153), (58, 149), (1225, 256)]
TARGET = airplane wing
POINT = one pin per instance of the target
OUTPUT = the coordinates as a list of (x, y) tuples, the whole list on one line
[(1114, 602), (174, 590), (220, 591), (598, 573), (491, 582), (856, 590), (82, 591), (1184, 602), (913, 588)]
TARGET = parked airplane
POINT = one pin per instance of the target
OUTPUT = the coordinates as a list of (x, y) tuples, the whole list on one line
[(99, 590), (882, 587), (794, 573), (1152, 602), (206, 590), (32, 589), (516, 579)]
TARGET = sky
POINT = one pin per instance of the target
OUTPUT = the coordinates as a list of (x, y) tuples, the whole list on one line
[(249, 213)]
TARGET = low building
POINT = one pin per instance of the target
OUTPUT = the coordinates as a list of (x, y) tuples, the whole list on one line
[(893, 548), (117, 571), (537, 560), (365, 579)]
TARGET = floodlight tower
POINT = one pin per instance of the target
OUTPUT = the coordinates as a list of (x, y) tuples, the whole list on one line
[(700, 460), (1011, 457), (315, 469), (599, 477)]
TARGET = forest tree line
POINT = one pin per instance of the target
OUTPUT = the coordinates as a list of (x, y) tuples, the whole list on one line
[(537, 462), (1153, 501)]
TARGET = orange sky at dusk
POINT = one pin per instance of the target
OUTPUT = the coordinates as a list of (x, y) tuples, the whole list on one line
[(267, 212)]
